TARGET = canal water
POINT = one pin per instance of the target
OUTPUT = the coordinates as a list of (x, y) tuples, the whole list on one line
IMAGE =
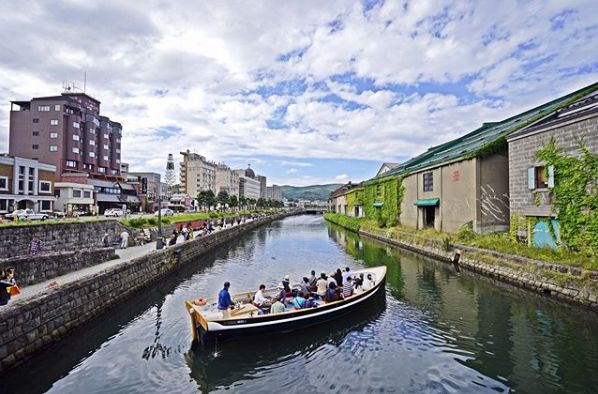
[(433, 330)]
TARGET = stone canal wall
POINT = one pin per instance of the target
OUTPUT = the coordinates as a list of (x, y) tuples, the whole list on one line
[(34, 269), (57, 237), (570, 284), (29, 325)]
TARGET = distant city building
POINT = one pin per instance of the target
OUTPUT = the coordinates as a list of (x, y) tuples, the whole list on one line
[(274, 193), (227, 180), (197, 174), (68, 132), (249, 187), (124, 168), (149, 183), (263, 188), (110, 194), (74, 198), (26, 183)]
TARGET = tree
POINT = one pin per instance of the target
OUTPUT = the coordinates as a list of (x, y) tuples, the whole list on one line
[(261, 202), (223, 198), (233, 201), (243, 202), (210, 199), (201, 199)]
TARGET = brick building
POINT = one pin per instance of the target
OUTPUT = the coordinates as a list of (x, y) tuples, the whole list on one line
[(68, 132), (530, 183)]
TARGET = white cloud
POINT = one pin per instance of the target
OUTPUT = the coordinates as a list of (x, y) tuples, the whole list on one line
[(341, 177), (292, 171), (494, 62)]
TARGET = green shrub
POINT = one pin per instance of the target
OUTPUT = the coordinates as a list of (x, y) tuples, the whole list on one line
[(465, 232), (152, 221), (347, 222), (136, 222)]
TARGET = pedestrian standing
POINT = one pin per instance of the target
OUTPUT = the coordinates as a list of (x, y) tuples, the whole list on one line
[(225, 301), (36, 245), (185, 232), (124, 239)]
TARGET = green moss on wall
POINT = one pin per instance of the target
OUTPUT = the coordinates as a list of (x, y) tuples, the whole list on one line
[(382, 200)]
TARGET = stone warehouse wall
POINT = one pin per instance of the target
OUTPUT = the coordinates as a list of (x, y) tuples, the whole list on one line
[(28, 325), (57, 237), (569, 284), (33, 269)]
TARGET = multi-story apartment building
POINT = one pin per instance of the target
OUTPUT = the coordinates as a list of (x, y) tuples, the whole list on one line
[(263, 188), (274, 193), (68, 132), (227, 180), (197, 174), (249, 187), (26, 183)]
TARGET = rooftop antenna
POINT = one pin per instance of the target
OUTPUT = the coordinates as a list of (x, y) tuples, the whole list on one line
[(85, 81), (70, 87)]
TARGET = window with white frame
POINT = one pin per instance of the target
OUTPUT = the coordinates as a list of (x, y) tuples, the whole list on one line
[(540, 177), (92, 142), (35, 133), (46, 205), (76, 137), (71, 163), (76, 125), (57, 107), (105, 158), (106, 136), (75, 150), (87, 194), (106, 147), (43, 108), (53, 122), (101, 169), (53, 148), (3, 183), (92, 131), (53, 135), (92, 154), (76, 193), (117, 161), (117, 150), (45, 186)]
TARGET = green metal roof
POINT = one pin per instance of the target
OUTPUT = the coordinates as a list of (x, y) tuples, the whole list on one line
[(427, 202), (489, 133)]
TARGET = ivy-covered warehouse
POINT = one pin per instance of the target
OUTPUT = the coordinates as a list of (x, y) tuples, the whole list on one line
[(553, 170), (459, 182)]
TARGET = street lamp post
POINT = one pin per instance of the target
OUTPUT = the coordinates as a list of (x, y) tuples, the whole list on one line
[(159, 242)]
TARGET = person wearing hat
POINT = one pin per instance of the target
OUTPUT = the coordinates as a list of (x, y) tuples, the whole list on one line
[(286, 285)]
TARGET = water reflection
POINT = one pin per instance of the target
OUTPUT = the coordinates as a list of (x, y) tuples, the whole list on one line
[(248, 359), (530, 343)]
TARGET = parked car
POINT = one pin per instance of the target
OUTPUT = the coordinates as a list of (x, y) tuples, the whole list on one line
[(165, 212), (30, 214), (115, 212)]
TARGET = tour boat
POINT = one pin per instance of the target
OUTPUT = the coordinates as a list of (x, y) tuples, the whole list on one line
[(208, 323)]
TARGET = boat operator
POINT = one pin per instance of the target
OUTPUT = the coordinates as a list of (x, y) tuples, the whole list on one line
[(224, 301)]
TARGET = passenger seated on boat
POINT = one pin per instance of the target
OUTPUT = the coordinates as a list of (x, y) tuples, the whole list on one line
[(299, 300), (346, 273), (357, 288), (368, 283), (331, 294), (312, 281), (309, 303), (348, 287), (322, 285), (286, 285), (278, 306), (304, 286), (338, 277), (260, 300)]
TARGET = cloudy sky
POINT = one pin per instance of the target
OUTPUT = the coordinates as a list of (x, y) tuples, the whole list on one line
[(307, 91)]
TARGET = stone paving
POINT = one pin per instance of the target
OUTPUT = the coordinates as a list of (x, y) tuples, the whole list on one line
[(124, 255)]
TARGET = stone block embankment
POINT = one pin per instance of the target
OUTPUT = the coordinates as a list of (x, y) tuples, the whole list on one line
[(57, 237), (27, 326), (34, 269), (569, 284)]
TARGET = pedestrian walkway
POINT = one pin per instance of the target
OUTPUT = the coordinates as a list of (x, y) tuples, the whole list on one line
[(124, 255)]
